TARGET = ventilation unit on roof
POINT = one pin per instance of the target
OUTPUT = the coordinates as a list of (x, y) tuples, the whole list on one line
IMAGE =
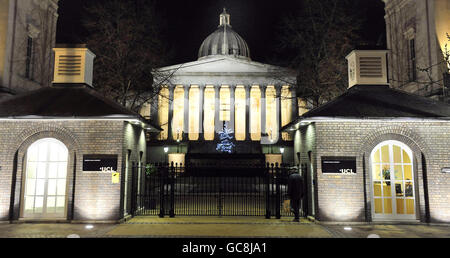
[(73, 65), (367, 67)]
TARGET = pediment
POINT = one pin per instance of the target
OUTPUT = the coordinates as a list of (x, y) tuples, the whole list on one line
[(223, 65)]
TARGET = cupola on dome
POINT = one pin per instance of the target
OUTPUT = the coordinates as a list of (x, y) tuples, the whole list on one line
[(224, 41)]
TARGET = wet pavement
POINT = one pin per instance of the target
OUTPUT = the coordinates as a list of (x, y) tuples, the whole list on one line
[(221, 227)]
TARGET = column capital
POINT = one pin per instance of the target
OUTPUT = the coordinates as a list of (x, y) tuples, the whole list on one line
[(278, 90)]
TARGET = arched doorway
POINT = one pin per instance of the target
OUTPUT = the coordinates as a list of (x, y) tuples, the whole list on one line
[(392, 182), (45, 180)]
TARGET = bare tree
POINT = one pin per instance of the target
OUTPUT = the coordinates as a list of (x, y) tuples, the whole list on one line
[(126, 37), (443, 67), (320, 35), (407, 65)]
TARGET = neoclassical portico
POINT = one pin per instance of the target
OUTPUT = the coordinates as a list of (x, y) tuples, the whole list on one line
[(198, 111), (224, 85)]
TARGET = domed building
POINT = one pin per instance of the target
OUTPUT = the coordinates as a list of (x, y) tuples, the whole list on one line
[(224, 41), (223, 88)]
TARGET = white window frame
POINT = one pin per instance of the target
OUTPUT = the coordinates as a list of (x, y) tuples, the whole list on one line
[(393, 216), (44, 214)]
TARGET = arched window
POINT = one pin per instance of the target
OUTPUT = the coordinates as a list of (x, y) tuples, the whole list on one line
[(393, 181), (46, 179)]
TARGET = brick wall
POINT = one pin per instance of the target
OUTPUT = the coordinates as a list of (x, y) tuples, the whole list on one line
[(134, 145), (305, 143), (348, 197), (91, 196)]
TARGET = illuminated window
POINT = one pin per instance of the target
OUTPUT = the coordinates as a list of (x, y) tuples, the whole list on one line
[(240, 113), (393, 181), (178, 113), (286, 111), (209, 113), (45, 179), (194, 116), (255, 113), (271, 113), (163, 113), (225, 103)]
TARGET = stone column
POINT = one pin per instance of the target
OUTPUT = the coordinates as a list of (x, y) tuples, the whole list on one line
[(169, 127), (293, 90), (201, 105), (217, 123), (247, 112), (263, 88), (278, 108), (186, 112), (232, 106)]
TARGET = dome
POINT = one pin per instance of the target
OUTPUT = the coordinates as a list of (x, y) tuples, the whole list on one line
[(224, 41)]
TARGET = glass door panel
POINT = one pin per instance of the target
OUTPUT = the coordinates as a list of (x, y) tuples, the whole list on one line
[(392, 181), (45, 180)]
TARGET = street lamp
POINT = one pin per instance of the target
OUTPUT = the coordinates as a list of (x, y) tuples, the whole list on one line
[(166, 149), (281, 151)]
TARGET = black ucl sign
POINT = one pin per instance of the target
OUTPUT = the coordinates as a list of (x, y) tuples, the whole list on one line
[(339, 165), (100, 163)]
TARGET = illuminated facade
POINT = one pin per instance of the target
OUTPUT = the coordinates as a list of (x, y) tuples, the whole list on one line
[(225, 86), (416, 37), (372, 155), (62, 167), (27, 36)]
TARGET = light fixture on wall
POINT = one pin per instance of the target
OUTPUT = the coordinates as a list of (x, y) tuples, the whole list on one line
[(281, 150), (166, 149), (178, 135)]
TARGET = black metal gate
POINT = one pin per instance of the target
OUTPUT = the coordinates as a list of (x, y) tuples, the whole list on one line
[(206, 190)]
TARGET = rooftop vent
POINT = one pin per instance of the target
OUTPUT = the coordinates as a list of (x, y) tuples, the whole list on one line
[(367, 67), (73, 64)]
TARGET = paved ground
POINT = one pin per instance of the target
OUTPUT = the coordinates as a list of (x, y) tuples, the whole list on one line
[(215, 227)]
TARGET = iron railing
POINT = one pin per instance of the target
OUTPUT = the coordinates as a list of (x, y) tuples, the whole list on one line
[(206, 190)]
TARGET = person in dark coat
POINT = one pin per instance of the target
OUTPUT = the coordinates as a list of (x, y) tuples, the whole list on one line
[(295, 191)]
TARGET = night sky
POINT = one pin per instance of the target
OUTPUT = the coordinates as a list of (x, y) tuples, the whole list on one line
[(190, 22)]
